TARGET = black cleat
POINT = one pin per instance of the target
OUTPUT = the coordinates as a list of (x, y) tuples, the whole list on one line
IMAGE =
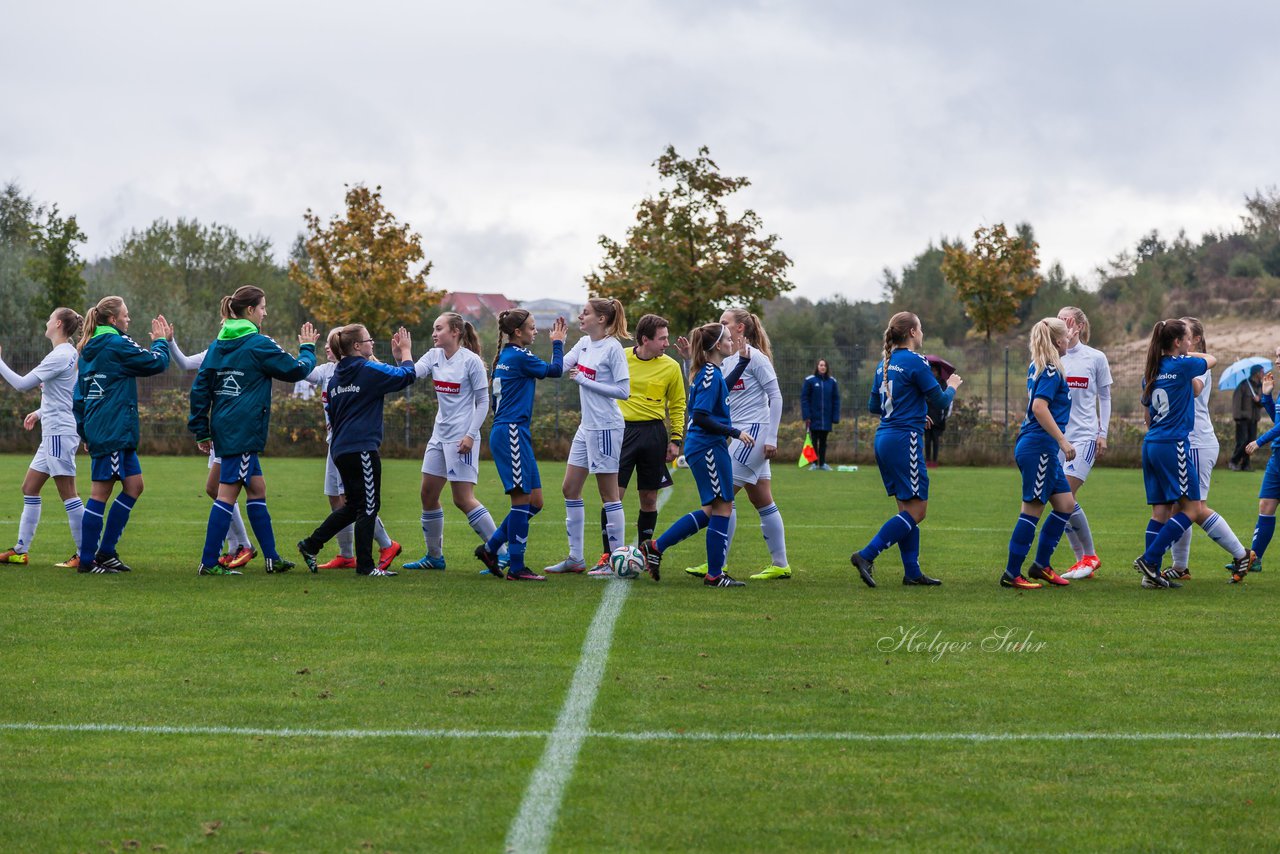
[(920, 580), (724, 579), (1240, 567), (653, 560), (111, 561), (278, 565), (865, 568), (1151, 577), (490, 560), (308, 558)]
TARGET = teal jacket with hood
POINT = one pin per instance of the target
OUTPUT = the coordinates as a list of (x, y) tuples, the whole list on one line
[(106, 397), (231, 395)]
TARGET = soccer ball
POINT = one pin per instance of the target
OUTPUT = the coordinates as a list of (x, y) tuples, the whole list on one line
[(627, 562)]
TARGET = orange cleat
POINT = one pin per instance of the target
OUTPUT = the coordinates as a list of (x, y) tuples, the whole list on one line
[(339, 562), (11, 556), (1047, 575), (385, 556), (1019, 582)]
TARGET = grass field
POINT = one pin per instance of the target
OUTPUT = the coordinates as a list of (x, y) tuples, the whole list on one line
[(162, 711)]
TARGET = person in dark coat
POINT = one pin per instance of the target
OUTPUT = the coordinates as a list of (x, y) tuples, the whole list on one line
[(820, 407), (1246, 410), (934, 425)]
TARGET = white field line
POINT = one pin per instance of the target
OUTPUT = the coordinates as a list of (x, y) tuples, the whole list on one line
[(647, 735)]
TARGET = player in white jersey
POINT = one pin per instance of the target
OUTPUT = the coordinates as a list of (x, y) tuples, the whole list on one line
[(598, 364), (1089, 378), (239, 549), (453, 451), (1204, 450), (56, 457)]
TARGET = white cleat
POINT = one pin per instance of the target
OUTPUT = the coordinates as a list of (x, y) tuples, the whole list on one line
[(569, 564)]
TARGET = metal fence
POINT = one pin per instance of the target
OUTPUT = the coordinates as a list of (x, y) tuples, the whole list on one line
[(984, 423)]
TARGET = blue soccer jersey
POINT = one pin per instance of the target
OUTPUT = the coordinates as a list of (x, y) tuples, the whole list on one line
[(514, 380), (1172, 403), (901, 398), (1050, 386), (708, 394)]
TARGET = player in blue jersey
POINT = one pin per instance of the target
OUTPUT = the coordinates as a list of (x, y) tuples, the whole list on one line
[(706, 450), (1170, 383), (515, 375), (1039, 441), (1268, 500), (904, 388)]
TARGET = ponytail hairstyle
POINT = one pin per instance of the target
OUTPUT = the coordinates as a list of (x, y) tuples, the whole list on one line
[(753, 328), (348, 338), (508, 322), (1081, 319), (702, 341), (1044, 352), (900, 327), (1164, 335), (614, 316), (333, 343), (69, 321), (245, 298), (1197, 331), (467, 336), (107, 309)]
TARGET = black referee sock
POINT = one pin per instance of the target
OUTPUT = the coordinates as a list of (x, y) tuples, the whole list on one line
[(604, 530), (646, 523)]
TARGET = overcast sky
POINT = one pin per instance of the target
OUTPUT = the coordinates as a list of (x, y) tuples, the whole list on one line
[(511, 135)]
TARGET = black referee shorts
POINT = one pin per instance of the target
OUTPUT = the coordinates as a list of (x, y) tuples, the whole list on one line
[(644, 451)]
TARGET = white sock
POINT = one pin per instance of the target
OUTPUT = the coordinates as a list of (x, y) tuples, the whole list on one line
[(346, 541), (1220, 532), (380, 534), (733, 529), (1182, 550), (481, 522), (575, 524), (27, 525), (75, 515), (237, 536), (1078, 524), (1074, 540), (775, 535), (615, 524), (433, 531)]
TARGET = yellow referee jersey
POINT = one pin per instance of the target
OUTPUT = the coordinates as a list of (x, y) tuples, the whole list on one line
[(657, 392)]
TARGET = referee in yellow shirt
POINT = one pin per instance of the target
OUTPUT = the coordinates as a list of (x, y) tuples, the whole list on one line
[(657, 399)]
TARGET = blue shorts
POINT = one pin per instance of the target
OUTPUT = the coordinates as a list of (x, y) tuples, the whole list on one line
[(1170, 472), (1271, 477), (1042, 474), (512, 449), (115, 466), (901, 467), (712, 470), (239, 469)]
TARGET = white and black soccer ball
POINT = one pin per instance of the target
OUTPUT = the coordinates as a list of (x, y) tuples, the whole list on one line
[(626, 562)]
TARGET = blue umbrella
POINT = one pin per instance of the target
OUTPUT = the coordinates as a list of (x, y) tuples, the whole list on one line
[(1239, 372)]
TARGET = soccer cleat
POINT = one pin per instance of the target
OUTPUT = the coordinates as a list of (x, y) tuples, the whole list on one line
[(865, 568), (600, 571), (242, 556), (425, 562), (307, 557), (524, 575), (603, 562), (771, 572), (1019, 582), (1255, 566), (699, 571), (102, 570), (504, 558), (1083, 568), (1047, 575), (1150, 572), (1240, 567), (724, 579), (112, 561), (569, 564), (490, 561), (339, 562), (385, 556), (652, 559), (275, 565), (72, 562), (920, 580), (11, 556), (1176, 573), (217, 569), (376, 572), (1158, 583)]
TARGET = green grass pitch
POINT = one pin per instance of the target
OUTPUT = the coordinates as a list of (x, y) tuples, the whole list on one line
[(782, 716)]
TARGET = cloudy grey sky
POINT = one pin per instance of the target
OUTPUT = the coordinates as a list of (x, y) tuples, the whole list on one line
[(512, 134)]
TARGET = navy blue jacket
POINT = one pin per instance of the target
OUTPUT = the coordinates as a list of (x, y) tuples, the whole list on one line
[(354, 402), (820, 402), (106, 397)]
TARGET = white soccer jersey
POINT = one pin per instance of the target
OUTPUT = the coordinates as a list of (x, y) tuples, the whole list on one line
[(1087, 371), (319, 377), (605, 362), (182, 360), (56, 374), (459, 382), (1202, 434), (749, 397)]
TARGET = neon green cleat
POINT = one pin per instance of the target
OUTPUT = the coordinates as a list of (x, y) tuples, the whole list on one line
[(772, 572), (699, 571)]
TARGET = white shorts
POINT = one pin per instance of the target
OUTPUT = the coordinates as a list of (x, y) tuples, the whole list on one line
[(56, 456), (1079, 468), (749, 463), (597, 451), (214, 459), (443, 460), (332, 480), (1205, 459)]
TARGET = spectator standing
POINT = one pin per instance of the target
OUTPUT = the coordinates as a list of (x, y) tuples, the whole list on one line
[(820, 407), (1246, 410)]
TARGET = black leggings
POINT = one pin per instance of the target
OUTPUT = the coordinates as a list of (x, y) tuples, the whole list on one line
[(361, 473), (820, 444)]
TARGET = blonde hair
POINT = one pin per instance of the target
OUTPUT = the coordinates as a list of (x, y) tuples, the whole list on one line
[(467, 336), (900, 327), (1044, 353), (753, 328), (348, 338), (335, 347), (245, 298), (1082, 321), (702, 341), (613, 314), (108, 308)]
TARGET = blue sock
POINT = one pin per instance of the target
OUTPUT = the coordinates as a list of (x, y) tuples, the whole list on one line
[(684, 528), (1050, 534), (117, 518), (1169, 534), (260, 521), (890, 533), (909, 546), (1024, 534), (216, 532), (1153, 531), (717, 544), (518, 527), (90, 530), (1262, 533)]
